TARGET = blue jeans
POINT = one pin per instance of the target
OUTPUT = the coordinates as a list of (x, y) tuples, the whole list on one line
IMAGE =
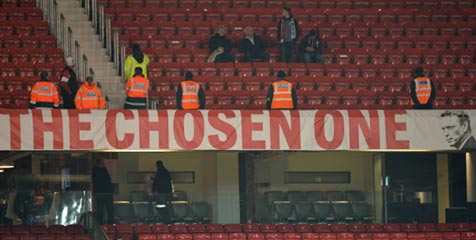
[(288, 53)]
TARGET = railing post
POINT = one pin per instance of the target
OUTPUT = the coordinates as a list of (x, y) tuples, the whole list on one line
[(101, 24), (85, 66), (115, 49), (122, 60), (94, 14), (107, 37), (61, 33), (87, 7), (69, 42), (77, 59), (54, 19)]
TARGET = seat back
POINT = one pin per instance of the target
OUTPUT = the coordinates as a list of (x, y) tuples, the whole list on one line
[(180, 210), (200, 211)]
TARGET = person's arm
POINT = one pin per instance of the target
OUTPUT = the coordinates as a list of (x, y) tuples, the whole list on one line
[(64, 81), (228, 46), (77, 99), (102, 100), (320, 45), (260, 43), (303, 45), (242, 47), (178, 96), (155, 184), (413, 93), (278, 33), (128, 71), (33, 96), (298, 29), (146, 63), (433, 92), (269, 98), (201, 98), (212, 44), (294, 96)]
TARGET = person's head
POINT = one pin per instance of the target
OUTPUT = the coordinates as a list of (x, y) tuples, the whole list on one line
[(70, 62), (188, 76), (248, 31), (418, 72), (286, 12), (221, 30), (99, 162), (43, 76), (136, 48), (281, 75), (137, 71), (159, 164), (89, 80), (313, 34), (456, 126)]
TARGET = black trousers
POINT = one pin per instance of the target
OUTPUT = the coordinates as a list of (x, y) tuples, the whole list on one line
[(162, 200), (104, 202), (68, 101)]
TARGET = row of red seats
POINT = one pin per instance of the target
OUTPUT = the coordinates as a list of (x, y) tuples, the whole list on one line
[(35, 55), (290, 228), (309, 236), (394, 15), (435, 4), (21, 13), (30, 69), (42, 229), (403, 71), (45, 237), (18, 3)]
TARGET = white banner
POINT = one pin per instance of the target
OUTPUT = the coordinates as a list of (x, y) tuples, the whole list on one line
[(314, 130)]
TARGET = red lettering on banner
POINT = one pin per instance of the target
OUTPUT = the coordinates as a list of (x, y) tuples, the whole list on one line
[(15, 127), (319, 129), (391, 128), (224, 127), (111, 129), (40, 127), (75, 128), (291, 134), (198, 129), (146, 126), (247, 129), (371, 131)]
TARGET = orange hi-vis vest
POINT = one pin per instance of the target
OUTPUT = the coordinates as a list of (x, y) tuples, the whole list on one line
[(137, 87), (44, 94), (190, 91), (422, 89), (89, 97), (282, 96)]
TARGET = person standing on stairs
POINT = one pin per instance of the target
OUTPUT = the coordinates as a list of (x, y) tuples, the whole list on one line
[(68, 84), (136, 59)]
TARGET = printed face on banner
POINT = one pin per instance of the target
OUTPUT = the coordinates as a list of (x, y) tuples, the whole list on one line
[(456, 128)]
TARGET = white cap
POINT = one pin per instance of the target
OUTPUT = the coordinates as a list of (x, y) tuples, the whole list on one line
[(69, 61)]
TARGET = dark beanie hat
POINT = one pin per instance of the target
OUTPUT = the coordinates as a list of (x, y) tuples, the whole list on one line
[(188, 76), (44, 76), (281, 74)]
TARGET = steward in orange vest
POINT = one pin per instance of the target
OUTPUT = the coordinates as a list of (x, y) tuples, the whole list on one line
[(44, 94), (422, 90), (89, 96), (281, 94), (189, 94), (137, 89)]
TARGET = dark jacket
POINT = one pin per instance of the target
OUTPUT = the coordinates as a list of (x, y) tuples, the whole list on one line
[(178, 97), (308, 42), (414, 97), (219, 41), (255, 50), (271, 95), (470, 144), (71, 85), (101, 180), (162, 181)]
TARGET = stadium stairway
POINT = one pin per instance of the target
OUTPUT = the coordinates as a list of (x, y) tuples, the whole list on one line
[(91, 46)]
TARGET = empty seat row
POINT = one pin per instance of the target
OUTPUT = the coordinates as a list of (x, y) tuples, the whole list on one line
[(42, 229), (54, 56), (25, 13), (45, 237), (347, 4), (290, 228), (145, 212)]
